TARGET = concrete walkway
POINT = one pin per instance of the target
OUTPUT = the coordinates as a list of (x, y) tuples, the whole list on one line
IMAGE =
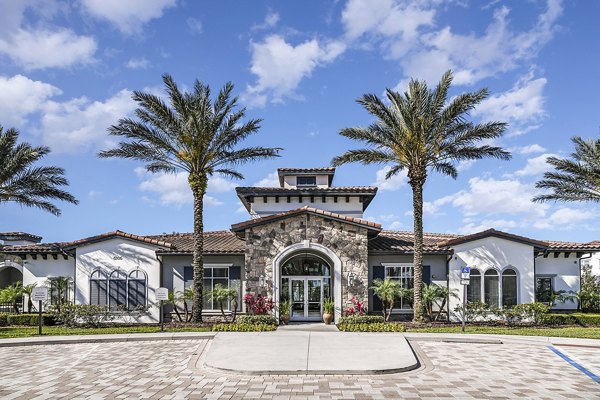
[(308, 327), (293, 352)]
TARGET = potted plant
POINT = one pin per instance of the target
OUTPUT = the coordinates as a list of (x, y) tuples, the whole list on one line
[(328, 309), (285, 307)]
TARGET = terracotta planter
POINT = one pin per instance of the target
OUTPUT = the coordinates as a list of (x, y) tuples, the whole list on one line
[(285, 319), (327, 318)]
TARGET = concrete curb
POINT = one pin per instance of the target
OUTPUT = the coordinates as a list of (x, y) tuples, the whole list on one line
[(105, 338), (476, 338)]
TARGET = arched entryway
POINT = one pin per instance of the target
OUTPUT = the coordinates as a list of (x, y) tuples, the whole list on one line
[(306, 273), (10, 274), (306, 282)]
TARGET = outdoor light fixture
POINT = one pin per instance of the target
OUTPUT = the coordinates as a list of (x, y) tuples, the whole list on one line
[(351, 278), (261, 280)]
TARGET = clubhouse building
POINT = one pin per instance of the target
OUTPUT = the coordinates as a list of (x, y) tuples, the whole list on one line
[(305, 241)]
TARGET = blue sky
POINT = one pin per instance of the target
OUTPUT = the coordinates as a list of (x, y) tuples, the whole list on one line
[(67, 70)]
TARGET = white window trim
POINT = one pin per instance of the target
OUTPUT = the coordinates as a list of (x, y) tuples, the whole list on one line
[(385, 275)]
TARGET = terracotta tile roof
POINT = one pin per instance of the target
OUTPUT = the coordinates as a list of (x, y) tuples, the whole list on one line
[(311, 190), (216, 242), (554, 245), (19, 236), (495, 233), (310, 210), (37, 248), (306, 170), (117, 233), (403, 241)]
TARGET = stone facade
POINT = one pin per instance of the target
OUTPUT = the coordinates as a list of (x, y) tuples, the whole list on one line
[(349, 242)]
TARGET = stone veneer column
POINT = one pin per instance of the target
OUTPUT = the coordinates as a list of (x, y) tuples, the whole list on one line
[(349, 242)]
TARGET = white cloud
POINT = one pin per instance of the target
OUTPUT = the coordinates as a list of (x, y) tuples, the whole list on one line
[(80, 124), (280, 66), (172, 189), (492, 196), (34, 48), (394, 183), (389, 221), (500, 224), (217, 184), (128, 16), (194, 25), (271, 180), (138, 63), (21, 97), (270, 21), (531, 149), (520, 106), (536, 165), (565, 218)]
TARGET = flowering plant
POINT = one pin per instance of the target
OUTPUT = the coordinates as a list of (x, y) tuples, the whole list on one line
[(357, 308), (258, 304)]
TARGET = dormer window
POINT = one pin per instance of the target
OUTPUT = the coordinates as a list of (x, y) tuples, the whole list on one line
[(306, 181)]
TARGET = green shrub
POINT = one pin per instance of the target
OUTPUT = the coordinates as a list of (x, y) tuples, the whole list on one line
[(587, 319), (475, 310), (531, 311), (243, 327), (4, 319), (29, 319), (373, 327), (88, 315), (511, 316), (558, 319), (361, 319), (261, 319)]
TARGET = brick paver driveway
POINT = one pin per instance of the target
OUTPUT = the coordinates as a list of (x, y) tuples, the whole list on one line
[(172, 370)]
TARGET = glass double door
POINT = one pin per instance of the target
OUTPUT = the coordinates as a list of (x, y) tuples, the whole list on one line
[(306, 295)]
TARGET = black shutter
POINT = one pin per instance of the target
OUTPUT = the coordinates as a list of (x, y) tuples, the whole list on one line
[(235, 272), (378, 273), (188, 274), (427, 274)]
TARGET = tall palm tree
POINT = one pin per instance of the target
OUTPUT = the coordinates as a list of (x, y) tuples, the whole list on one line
[(421, 132), (576, 179), (193, 134), (24, 184)]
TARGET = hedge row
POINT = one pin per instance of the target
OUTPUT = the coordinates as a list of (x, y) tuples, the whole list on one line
[(263, 319), (571, 319), (243, 327), (26, 319), (372, 327), (362, 319)]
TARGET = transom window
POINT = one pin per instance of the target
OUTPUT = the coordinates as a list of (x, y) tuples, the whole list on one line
[(306, 181), (119, 290), (305, 264), (404, 275)]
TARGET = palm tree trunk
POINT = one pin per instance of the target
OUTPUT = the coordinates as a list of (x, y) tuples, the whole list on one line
[(417, 183), (198, 185), (177, 312), (439, 313)]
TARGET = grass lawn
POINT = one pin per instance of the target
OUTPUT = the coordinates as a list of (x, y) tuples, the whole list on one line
[(571, 332), (31, 331)]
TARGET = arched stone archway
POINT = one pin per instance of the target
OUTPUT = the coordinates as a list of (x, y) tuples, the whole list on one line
[(10, 273), (315, 248)]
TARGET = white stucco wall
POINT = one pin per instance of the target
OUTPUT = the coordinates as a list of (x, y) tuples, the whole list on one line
[(39, 270), (594, 261), (565, 275), (353, 208), (499, 254), (123, 254)]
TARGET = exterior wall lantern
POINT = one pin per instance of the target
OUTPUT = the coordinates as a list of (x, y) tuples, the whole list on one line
[(261, 281), (351, 278)]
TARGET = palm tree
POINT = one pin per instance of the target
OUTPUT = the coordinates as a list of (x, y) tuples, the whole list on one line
[(173, 299), (193, 134), (388, 290), (24, 184), (576, 179), (222, 295), (60, 287), (12, 294), (27, 290), (434, 294), (421, 132)]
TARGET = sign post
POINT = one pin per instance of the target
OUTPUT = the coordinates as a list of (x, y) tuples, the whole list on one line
[(465, 278), (39, 294), (162, 294)]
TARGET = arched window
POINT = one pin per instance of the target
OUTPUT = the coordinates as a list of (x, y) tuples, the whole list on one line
[(474, 288), (136, 289), (490, 285), (509, 288), (98, 288), (117, 290)]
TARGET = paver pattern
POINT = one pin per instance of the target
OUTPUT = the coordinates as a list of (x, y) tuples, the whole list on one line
[(172, 370)]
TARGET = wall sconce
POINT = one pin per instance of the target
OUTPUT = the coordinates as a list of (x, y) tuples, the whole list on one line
[(351, 278), (261, 281)]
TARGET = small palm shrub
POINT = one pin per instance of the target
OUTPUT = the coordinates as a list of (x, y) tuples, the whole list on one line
[(243, 327)]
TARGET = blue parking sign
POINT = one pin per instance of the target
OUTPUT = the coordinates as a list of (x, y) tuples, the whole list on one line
[(465, 270)]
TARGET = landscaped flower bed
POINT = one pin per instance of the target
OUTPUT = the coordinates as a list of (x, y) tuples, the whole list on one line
[(373, 327), (243, 327)]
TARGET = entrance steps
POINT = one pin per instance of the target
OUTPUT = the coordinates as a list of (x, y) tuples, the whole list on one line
[(308, 327)]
